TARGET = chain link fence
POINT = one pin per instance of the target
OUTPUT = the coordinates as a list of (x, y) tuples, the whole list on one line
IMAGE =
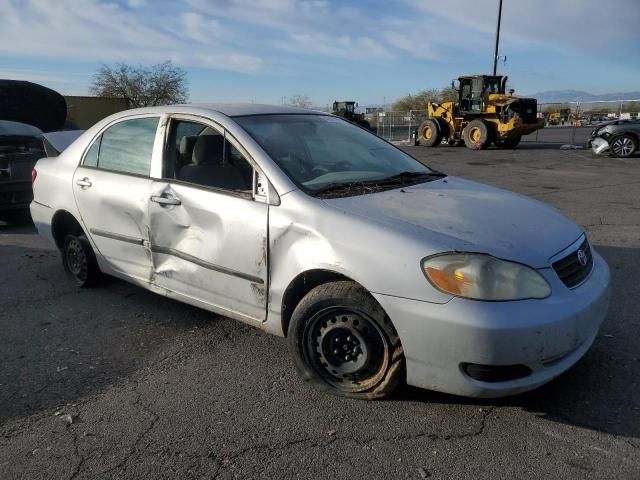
[(397, 126), (566, 123)]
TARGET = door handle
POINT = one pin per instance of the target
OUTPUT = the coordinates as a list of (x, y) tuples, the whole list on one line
[(83, 182), (165, 200)]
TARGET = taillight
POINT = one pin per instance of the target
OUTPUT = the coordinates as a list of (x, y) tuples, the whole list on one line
[(34, 174)]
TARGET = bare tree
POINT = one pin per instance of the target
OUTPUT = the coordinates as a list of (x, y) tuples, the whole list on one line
[(142, 86), (418, 101), (302, 101)]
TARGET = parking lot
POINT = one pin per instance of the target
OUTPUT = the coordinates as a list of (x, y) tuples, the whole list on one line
[(117, 382)]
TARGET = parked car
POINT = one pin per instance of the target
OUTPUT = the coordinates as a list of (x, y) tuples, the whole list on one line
[(377, 269), (20, 148), (26, 110), (618, 137)]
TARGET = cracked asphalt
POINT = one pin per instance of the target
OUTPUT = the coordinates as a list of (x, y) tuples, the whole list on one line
[(117, 382)]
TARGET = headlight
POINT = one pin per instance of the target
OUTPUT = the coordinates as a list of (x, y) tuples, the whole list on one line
[(483, 277)]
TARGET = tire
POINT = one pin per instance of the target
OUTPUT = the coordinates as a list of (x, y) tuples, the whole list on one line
[(477, 135), (623, 146), (508, 142), (429, 133), (342, 341), (79, 260)]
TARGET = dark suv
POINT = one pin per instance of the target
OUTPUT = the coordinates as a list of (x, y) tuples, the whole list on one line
[(620, 137)]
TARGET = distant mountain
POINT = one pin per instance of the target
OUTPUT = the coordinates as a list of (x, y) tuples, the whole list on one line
[(559, 96)]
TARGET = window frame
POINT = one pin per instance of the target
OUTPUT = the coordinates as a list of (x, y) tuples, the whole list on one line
[(98, 137), (253, 195)]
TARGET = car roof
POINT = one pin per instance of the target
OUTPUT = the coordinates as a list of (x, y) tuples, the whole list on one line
[(228, 109)]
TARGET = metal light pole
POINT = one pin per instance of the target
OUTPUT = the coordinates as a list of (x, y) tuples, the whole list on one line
[(495, 53)]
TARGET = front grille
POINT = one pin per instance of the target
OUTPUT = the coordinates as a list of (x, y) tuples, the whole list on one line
[(571, 270)]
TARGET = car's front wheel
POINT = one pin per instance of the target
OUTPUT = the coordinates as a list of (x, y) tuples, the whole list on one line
[(79, 261), (624, 146), (341, 339)]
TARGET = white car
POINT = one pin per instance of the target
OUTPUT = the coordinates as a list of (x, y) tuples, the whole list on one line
[(377, 269)]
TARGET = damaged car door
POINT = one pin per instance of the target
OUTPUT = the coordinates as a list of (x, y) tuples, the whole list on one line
[(112, 187), (208, 234)]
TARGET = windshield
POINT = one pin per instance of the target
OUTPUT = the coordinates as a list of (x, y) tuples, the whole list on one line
[(317, 151)]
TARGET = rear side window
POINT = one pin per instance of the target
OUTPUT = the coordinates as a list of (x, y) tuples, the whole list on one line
[(125, 147), (91, 158)]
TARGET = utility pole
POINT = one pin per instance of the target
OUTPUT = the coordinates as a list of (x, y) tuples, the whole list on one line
[(495, 53)]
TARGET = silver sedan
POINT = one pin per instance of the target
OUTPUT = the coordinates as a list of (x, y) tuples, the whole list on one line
[(378, 270)]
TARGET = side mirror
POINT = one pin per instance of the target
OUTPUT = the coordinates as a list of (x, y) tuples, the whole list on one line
[(511, 90)]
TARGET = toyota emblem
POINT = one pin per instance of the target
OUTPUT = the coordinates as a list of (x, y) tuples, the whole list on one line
[(582, 257)]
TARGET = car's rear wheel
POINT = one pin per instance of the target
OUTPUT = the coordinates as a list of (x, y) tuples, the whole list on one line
[(341, 340), (624, 146), (79, 261)]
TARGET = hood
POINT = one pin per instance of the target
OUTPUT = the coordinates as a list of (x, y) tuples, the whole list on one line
[(33, 104), (453, 214)]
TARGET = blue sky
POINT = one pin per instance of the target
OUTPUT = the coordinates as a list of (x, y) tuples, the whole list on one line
[(368, 50)]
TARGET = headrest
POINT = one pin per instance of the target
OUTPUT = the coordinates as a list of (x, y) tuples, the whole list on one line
[(186, 144), (208, 149)]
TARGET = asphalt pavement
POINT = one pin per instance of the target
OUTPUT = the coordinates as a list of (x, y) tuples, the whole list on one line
[(117, 382)]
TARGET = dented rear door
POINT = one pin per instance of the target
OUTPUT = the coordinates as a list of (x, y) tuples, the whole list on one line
[(210, 246)]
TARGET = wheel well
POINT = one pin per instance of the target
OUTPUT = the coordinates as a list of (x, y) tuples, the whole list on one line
[(64, 224), (630, 133), (300, 286)]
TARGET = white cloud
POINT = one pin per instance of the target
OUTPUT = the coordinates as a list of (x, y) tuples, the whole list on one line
[(584, 26), (105, 32)]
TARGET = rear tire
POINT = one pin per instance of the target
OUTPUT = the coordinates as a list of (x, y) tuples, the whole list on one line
[(342, 341), (623, 146), (79, 260), (429, 133), (508, 142), (477, 135)]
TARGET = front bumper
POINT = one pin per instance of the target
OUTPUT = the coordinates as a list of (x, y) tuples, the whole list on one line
[(599, 145), (547, 336)]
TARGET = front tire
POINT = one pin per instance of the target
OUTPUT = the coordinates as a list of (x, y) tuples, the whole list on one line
[(623, 146), (79, 261), (477, 135), (342, 341)]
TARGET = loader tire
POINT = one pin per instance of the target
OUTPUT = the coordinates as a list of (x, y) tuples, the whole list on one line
[(478, 135), (508, 142), (429, 133)]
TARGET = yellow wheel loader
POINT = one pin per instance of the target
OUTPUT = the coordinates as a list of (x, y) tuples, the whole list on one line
[(484, 114)]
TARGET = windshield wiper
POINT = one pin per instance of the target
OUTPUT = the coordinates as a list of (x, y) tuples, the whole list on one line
[(404, 177), (369, 186)]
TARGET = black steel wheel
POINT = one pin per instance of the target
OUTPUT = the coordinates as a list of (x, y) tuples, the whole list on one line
[(79, 261), (623, 146), (341, 340)]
